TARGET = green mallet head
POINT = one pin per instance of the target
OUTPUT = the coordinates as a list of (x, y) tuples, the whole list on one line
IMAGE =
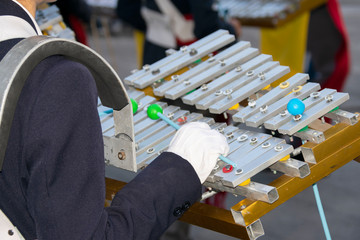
[(153, 110), (134, 105)]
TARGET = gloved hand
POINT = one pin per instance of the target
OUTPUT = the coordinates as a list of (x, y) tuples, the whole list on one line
[(200, 145)]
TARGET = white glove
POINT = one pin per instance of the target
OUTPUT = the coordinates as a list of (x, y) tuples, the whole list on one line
[(200, 145)]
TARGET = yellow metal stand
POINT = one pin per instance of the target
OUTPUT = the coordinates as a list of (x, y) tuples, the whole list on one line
[(139, 38), (287, 44), (342, 145)]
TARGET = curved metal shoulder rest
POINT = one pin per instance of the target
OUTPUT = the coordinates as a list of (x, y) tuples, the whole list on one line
[(26, 55)]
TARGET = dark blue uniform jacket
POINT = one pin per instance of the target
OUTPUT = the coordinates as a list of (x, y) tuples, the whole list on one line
[(52, 183)]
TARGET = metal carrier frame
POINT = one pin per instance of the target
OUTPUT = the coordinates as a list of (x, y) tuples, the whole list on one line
[(27, 54)]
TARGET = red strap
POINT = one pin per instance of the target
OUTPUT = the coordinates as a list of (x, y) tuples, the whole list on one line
[(342, 59), (78, 29)]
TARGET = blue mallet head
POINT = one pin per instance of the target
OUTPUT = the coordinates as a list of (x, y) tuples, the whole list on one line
[(295, 107)]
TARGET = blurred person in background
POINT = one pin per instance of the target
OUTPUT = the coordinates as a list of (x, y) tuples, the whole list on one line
[(328, 46), (172, 23)]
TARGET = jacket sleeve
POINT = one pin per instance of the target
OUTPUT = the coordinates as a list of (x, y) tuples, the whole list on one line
[(65, 161), (63, 151), (154, 199)]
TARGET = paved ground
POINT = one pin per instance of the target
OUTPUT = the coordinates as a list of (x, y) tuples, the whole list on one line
[(298, 218)]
